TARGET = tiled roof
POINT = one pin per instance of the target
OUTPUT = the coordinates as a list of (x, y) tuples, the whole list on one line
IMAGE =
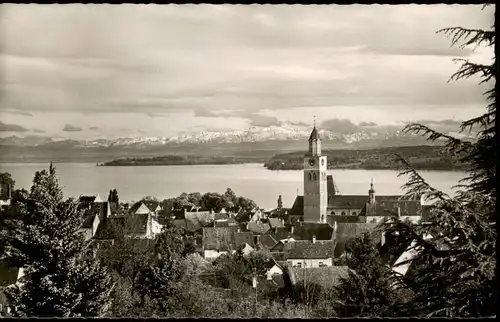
[(258, 227), (151, 204), (267, 241), (325, 276), (221, 216), (305, 249), (349, 202), (298, 207), (314, 135), (279, 256), (240, 238), (218, 238), (111, 228), (347, 231), (276, 222), (306, 231), (390, 208)]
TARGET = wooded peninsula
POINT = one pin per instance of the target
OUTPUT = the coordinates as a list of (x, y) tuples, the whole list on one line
[(421, 157)]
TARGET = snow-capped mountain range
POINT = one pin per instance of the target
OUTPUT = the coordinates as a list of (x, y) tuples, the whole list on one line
[(283, 132)]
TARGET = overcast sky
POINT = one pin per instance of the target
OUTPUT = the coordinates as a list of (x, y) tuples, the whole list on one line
[(135, 70)]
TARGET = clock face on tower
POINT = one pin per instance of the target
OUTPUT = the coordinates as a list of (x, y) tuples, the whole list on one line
[(312, 162)]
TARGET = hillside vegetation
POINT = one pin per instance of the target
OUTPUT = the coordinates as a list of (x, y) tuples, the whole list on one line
[(420, 157)]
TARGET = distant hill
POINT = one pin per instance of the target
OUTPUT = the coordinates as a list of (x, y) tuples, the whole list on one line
[(420, 157), (257, 143)]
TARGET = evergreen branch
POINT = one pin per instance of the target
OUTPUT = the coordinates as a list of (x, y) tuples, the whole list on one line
[(416, 186), (484, 120), (452, 143), (469, 36), (468, 69)]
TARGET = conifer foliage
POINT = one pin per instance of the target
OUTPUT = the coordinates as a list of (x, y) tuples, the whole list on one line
[(453, 274), (367, 290), (59, 280)]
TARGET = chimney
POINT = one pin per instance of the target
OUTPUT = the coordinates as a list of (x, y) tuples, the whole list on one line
[(239, 230), (314, 239), (291, 230), (382, 240)]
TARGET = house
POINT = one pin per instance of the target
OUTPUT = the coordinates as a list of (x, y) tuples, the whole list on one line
[(258, 227), (378, 210), (242, 238), (310, 253), (218, 241), (266, 241), (276, 223), (8, 277), (256, 216), (346, 232), (247, 249), (5, 194), (89, 226), (276, 269), (145, 206)]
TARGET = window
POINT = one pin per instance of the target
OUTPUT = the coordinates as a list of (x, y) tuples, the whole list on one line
[(299, 265), (333, 213), (314, 177), (354, 213), (343, 213), (310, 177)]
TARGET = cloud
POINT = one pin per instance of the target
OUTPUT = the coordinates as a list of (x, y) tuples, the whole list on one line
[(342, 126), (94, 128), (440, 122), (17, 112), (201, 112), (38, 131), (255, 119), (367, 124), (71, 128), (11, 128), (118, 59), (298, 123)]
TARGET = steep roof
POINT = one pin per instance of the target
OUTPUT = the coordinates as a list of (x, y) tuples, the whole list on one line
[(298, 206), (111, 228), (306, 231), (305, 249), (218, 238), (258, 227), (347, 231), (349, 201), (393, 208), (325, 276), (267, 241), (242, 238), (314, 135)]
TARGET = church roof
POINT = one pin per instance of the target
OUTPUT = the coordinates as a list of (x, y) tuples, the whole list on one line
[(306, 249), (298, 207), (314, 135), (349, 202)]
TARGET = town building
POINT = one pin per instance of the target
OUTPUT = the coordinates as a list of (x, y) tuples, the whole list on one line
[(323, 203)]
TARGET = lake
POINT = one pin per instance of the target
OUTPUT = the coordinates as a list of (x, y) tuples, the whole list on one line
[(248, 180)]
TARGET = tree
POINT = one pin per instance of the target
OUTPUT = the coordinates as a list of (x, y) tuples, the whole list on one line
[(367, 290), (113, 196), (454, 271), (6, 177), (60, 280)]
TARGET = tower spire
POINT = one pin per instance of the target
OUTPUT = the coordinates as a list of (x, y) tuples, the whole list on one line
[(314, 120)]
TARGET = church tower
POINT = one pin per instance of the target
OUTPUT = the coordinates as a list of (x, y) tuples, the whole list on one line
[(315, 181)]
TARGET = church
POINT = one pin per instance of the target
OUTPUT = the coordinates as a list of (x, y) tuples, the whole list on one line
[(323, 203)]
